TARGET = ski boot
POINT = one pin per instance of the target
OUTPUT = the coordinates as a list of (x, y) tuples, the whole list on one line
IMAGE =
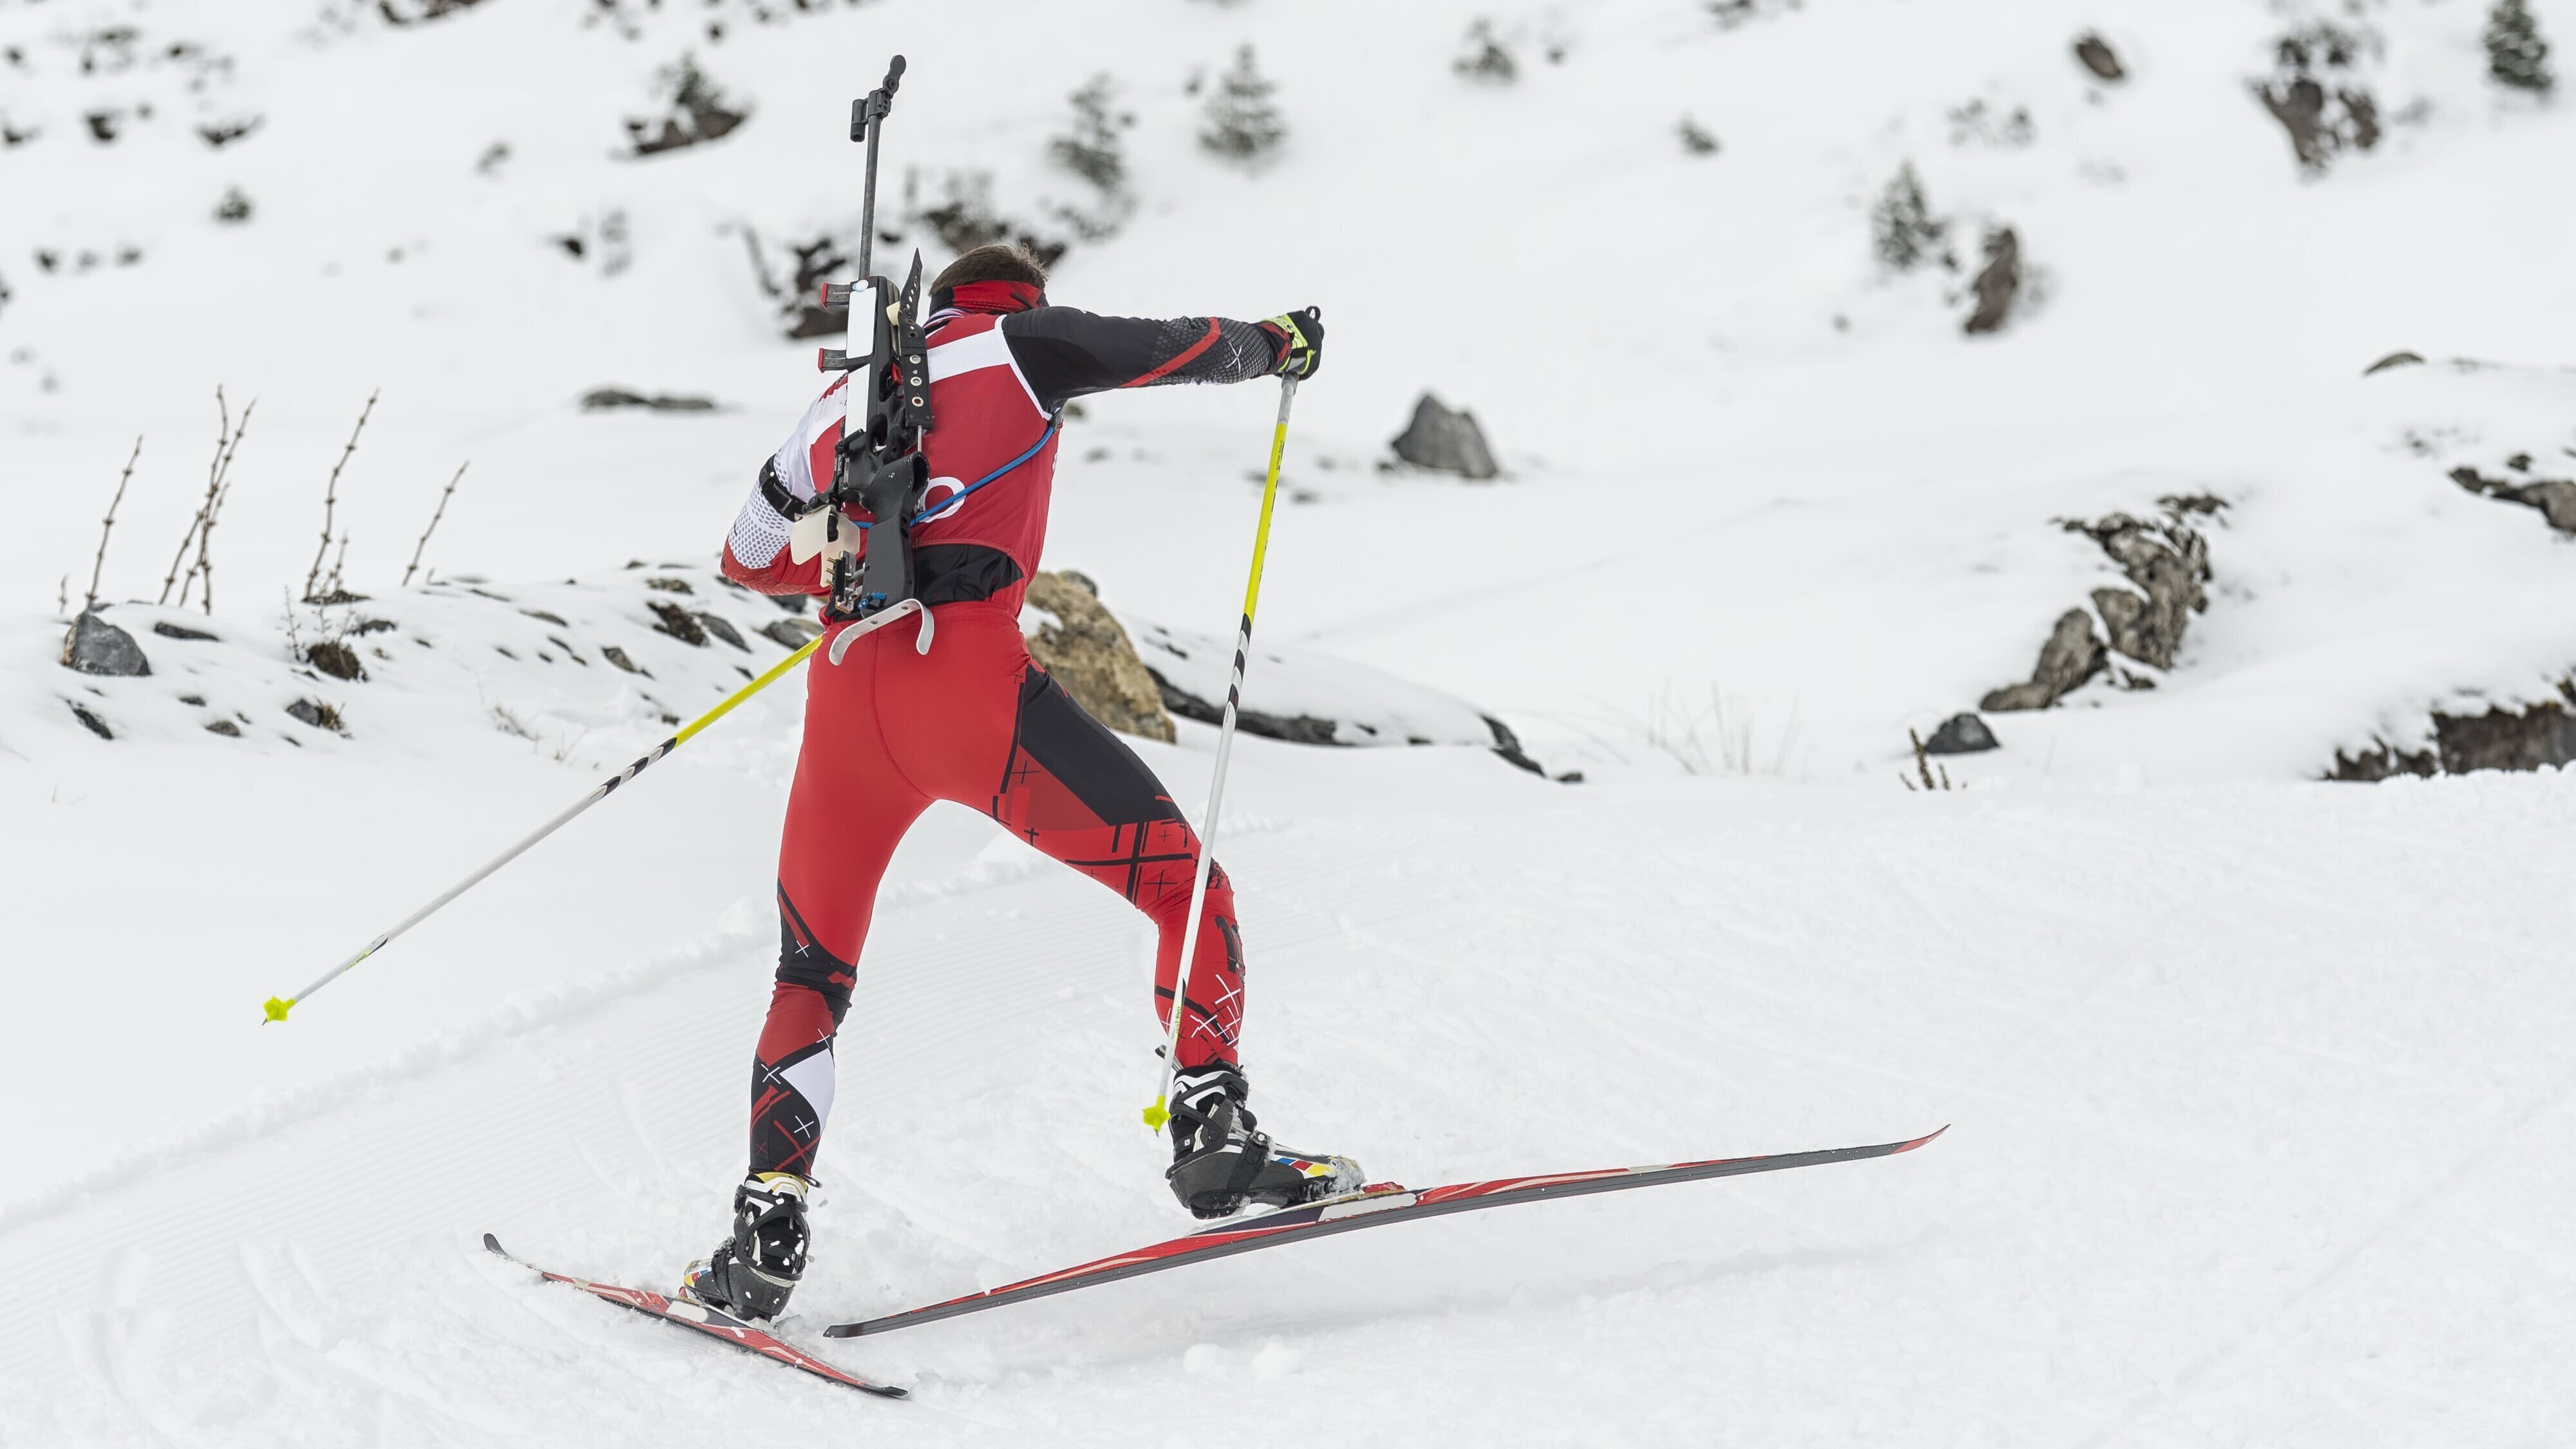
[(750, 1274), (1220, 1163)]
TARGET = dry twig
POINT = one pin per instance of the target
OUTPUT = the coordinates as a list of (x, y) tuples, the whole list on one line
[(1923, 766), (331, 495), (91, 601), (228, 436), (433, 522)]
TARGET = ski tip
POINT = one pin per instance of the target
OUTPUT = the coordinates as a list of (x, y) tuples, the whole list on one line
[(492, 1244), (1926, 1137)]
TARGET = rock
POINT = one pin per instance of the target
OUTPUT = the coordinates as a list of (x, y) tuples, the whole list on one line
[(168, 630), (670, 586), (2394, 359), (2502, 738), (1296, 729), (2506, 739), (95, 646), (599, 399), (335, 659), (1446, 442), (791, 633), (1998, 285), (2071, 656), (2097, 57), (90, 721), (677, 622), (1508, 745), (224, 727), (1961, 734), (2554, 497), (1089, 653), (2317, 93), (617, 656), (2168, 560), (315, 713), (722, 628)]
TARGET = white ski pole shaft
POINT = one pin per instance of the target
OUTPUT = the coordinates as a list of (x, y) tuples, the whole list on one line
[(1159, 1113), (277, 1006)]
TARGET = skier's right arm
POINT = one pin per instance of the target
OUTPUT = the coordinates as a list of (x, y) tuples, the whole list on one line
[(756, 554)]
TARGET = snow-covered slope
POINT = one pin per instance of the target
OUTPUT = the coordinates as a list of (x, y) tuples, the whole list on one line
[(2259, 1082)]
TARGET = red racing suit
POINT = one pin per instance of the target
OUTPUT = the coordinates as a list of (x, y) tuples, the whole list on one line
[(888, 730)]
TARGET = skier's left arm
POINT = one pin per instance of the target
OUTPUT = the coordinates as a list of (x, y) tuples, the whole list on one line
[(1065, 353)]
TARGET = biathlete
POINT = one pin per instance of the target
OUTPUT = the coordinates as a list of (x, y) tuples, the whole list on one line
[(889, 729)]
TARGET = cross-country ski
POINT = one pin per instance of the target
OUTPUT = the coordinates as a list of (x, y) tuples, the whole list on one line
[(862, 665), (1378, 1205), (715, 1323)]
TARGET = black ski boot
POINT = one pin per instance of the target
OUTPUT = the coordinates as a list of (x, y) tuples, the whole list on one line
[(1220, 1163), (750, 1274)]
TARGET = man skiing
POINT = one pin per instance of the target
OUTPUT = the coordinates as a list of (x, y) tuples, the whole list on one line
[(890, 728)]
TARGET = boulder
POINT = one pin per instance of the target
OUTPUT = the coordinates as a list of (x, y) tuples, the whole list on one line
[(2503, 738), (1998, 284), (95, 646), (722, 628), (791, 633), (1089, 653), (2554, 497), (2167, 559), (335, 659), (2096, 55), (1961, 734), (2071, 656), (1444, 441), (2319, 92), (677, 622)]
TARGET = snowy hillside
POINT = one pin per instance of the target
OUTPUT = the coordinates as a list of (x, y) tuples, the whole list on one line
[(2258, 1081)]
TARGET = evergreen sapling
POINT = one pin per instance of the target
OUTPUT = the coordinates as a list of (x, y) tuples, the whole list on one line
[(2516, 55), (1902, 224), (1242, 124)]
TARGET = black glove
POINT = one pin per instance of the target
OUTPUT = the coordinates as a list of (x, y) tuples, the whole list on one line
[(1302, 336)]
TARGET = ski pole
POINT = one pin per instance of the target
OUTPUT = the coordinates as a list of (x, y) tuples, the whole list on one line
[(277, 1006), (1159, 1113)]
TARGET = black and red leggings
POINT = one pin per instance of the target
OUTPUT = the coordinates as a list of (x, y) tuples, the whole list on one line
[(888, 730)]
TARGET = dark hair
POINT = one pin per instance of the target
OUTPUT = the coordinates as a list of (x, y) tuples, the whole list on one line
[(992, 262)]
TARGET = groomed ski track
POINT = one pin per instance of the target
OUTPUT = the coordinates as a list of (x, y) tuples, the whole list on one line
[(2234, 1068)]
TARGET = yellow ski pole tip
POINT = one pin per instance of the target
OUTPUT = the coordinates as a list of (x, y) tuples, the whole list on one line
[(276, 1008), (1155, 1116)]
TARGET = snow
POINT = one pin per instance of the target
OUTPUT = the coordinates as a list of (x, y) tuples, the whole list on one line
[(2258, 1084)]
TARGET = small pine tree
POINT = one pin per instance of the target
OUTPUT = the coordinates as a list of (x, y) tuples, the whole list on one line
[(1486, 58), (1242, 124), (2516, 55), (1091, 149), (1902, 223)]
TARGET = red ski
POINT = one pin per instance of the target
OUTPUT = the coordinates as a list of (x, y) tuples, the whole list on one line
[(1373, 1206), (712, 1322)]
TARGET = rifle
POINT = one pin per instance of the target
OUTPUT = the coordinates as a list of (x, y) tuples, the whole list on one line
[(879, 466)]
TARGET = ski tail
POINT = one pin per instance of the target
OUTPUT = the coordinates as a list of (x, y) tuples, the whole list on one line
[(1373, 1206), (712, 1322)]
